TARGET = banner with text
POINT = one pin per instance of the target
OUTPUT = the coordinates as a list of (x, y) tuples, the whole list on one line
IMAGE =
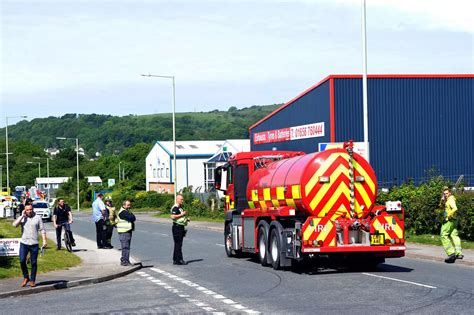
[(290, 133), (10, 246)]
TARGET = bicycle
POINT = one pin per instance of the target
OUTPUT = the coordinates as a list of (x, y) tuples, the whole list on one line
[(67, 238)]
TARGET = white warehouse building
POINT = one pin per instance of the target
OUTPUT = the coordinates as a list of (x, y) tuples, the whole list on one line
[(191, 159)]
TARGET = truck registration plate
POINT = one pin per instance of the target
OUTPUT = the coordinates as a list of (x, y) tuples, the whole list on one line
[(377, 239)]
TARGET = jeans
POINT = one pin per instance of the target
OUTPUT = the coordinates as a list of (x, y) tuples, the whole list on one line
[(101, 233), (33, 250), (125, 240), (59, 229), (178, 235)]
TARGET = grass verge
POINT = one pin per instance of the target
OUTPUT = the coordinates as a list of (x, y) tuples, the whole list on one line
[(433, 240), (52, 259)]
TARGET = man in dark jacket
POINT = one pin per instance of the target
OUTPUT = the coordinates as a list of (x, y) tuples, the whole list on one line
[(125, 226), (62, 216)]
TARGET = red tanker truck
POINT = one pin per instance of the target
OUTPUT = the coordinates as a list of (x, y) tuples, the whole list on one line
[(287, 206)]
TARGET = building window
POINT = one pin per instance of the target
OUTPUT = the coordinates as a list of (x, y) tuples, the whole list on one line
[(155, 173), (193, 146)]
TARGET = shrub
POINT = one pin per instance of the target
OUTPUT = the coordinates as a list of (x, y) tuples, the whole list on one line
[(424, 213)]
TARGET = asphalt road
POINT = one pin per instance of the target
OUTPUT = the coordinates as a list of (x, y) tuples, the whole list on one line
[(213, 283)]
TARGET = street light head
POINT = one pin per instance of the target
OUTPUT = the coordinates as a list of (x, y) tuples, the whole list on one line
[(29, 162), (61, 138)]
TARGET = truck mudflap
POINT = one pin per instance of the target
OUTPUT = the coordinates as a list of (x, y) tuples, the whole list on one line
[(381, 234)]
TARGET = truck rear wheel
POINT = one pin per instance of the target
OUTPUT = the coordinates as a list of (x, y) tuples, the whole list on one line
[(275, 249), (262, 243), (228, 241)]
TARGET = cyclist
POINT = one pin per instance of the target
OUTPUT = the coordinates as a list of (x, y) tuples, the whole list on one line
[(62, 216)]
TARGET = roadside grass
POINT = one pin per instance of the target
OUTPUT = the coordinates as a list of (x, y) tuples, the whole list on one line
[(433, 240), (52, 259)]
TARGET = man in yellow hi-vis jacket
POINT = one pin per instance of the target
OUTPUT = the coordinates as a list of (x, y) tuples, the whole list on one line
[(125, 225), (449, 233)]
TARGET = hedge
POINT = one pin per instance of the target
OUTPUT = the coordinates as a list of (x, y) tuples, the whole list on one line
[(424, 211)]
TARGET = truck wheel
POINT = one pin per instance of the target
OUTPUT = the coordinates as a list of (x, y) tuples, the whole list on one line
[(275, 248), (262, 243), (228, 240)]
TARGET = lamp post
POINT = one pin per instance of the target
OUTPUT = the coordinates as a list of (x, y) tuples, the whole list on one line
[(1, 178), (77, 165), (364, 82), (39, 167), (6, 148), (174, 126), (47, 170), (119, 169)]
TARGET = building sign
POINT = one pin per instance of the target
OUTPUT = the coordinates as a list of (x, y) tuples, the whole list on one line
[(10, 246), (290, 133)]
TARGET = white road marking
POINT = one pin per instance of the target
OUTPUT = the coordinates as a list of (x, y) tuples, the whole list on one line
[(203, 290), (404, 281), (220, 245)]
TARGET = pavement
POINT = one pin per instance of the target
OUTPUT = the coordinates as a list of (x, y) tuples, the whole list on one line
[(99, 265)]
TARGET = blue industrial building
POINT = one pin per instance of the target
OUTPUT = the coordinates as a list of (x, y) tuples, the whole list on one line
[(417, 123)]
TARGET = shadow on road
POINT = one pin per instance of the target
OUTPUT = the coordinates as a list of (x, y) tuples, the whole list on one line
[(194, 260)]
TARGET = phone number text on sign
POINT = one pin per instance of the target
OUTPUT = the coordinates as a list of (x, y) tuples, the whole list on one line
[(291, 133)]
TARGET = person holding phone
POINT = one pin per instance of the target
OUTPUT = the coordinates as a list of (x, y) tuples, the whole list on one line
[(31, 225)]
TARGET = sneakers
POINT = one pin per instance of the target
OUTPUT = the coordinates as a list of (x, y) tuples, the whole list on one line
[(73, 244), (32, 284), (25, 282), (459, 256), (450, 259), (127, 263)]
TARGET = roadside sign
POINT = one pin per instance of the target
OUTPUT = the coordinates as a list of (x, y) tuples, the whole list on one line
[(111, 182), (10, 246)]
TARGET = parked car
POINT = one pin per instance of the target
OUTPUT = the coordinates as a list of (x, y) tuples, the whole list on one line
[(42, 208)]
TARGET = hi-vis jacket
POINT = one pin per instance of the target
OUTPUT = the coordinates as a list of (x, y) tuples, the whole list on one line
[(451, 211), (124, 225)]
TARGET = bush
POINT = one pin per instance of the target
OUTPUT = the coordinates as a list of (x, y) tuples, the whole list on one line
[(424, 213), (141, 199)]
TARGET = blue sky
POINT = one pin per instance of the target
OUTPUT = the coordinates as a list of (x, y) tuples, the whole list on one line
[(86, 56)]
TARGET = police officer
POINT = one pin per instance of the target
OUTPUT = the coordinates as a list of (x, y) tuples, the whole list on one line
[(180, 220), (449, 233), (125, 226)]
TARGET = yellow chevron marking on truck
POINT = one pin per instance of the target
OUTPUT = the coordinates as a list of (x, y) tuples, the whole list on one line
[(367, 178), (363, 193), (310, 229), (291, 203), (324, 233), (341, 169), (280, 193), (295, 192), (379, 227), (254, 195), (266, 194), (315, 178), (342, 189)]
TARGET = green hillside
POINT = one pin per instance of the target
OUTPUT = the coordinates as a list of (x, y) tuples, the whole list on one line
[(125, 139), (111, 134)]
